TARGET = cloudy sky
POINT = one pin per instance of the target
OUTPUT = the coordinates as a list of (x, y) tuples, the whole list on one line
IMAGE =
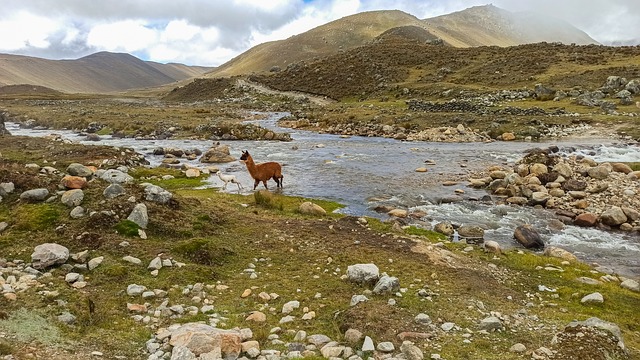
[(211, 32)]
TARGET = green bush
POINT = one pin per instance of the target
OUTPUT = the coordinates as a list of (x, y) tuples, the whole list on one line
[(127, 228), (204, 251), (268, 200)]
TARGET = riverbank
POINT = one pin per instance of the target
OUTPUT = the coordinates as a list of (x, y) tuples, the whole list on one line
[(276, 274)]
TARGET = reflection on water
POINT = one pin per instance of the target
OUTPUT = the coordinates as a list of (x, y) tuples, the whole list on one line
[(356, 170)]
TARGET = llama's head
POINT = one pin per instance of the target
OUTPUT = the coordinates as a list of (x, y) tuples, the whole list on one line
[(245, 155)]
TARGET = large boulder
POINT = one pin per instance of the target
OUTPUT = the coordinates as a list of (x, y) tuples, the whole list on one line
[(387, 284), (559, 253), (115, 176), (217, 154), (563, 169), (73, 182), (48, 254), (202, 339), (613, 216), (139, 215), (7, 188), (586, 220), (113, 190), (621, 167), (528, 237), (599, 172), (574, 185), (444, 228), (363, 273), (310, 208), (471, 233), (76, 169), (34, 195), (157, 194), (72, 198)]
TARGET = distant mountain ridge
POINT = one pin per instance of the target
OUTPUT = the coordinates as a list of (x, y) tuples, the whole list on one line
[(106, 72), (102, 72), (490, 25), (476, 26)]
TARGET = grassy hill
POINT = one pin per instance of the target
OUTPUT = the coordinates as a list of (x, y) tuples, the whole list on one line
[(476, 26), (490, 25), (97, 73), (338, 35)]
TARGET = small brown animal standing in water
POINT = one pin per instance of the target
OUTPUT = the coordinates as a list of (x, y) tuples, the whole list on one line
[(262, 172)]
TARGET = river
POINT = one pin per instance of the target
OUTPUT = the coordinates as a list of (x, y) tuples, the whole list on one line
[(364, 172)]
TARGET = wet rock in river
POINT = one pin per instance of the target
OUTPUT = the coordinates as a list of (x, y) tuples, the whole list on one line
[(586, 220), (528, 237)]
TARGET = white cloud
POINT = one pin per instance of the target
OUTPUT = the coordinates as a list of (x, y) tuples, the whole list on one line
[(179, 30), (26, 30), (129, 36), (210, 32)]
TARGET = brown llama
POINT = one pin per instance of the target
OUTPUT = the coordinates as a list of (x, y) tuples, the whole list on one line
[(262, 172)]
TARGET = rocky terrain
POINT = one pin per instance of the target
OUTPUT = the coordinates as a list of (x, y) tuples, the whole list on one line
[(581, 191), (103, 258)]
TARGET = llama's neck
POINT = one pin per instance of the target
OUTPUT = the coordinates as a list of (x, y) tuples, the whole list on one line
[(251, 166)]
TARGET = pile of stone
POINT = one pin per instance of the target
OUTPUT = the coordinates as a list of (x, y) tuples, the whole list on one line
[(581, 191)]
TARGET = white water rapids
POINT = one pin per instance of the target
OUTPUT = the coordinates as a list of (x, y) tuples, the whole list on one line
[(362, 173)]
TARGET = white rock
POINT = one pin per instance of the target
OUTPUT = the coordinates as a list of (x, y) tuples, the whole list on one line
[(368, 344), (596, 298)]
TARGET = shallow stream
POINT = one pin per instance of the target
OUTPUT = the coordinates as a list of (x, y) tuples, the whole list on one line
[(364, 172)]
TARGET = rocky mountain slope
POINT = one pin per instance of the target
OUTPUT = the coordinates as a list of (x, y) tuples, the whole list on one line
[(490, 25), (476, 26), (97, 73)]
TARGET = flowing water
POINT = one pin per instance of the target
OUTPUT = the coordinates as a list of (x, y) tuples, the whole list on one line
[(364, 172)]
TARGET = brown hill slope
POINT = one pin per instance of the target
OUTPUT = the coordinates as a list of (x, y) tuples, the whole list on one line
[(476, 26), (341, 34), (97, 73), (387, 66), (490, 25)]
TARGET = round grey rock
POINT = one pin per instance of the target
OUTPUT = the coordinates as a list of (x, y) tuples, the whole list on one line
[(72, 198), (49, 254), (76, 169), (34, 195)]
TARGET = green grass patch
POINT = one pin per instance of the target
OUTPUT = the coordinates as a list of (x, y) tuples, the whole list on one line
[(205, 251), (268, 200), (105, 131), (635, 166), (179, 180), (127, 228), (429, 234), (35, 217)]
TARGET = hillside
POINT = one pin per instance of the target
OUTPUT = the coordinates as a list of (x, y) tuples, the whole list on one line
[(476, 26), (387, 66), (97, 73), (338, 35), (490, 25)]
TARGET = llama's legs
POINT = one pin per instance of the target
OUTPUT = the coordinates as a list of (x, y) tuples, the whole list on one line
[(224, 187), (264, 182), (255, 184)]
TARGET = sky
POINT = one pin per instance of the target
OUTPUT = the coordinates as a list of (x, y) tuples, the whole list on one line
[(211, 32)]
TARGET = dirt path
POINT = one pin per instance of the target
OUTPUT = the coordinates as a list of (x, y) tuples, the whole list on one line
[(318, 100)]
